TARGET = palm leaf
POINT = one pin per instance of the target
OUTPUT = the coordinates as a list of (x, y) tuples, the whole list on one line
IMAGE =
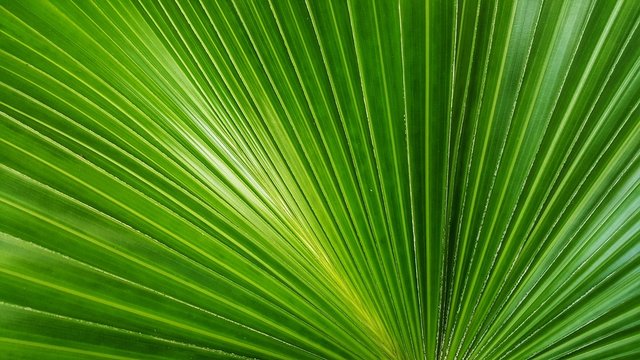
[(320, 179)]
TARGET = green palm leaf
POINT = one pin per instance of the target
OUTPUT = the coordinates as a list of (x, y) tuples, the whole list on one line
[(320, 179)]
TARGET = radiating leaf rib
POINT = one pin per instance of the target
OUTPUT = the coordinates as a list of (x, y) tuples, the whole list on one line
[(319, 179)]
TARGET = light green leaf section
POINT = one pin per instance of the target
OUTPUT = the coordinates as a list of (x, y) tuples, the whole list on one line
[(301, 179)]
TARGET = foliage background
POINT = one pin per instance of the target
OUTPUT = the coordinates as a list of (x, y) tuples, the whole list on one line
[(319, 179)]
